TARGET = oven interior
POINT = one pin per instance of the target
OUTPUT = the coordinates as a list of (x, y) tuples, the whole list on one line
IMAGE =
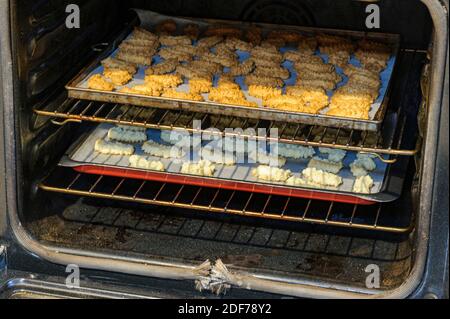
[(326, 243)]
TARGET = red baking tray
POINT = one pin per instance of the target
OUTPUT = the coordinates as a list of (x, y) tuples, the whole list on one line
[(218, 184)]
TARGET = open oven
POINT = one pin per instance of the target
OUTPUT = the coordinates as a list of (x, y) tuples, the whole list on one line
[(214, 234)]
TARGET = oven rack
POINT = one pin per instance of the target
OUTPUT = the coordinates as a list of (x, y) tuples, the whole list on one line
[(379, 217), (387, 141), (306, 135)]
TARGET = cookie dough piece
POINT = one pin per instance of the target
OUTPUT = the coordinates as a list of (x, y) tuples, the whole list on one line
[(113, 148), (137, 161), (271, 174), (126, 136), (159, 150), (263, 158), (325, 165), (296, 181), (334, 155), (363, 184), (316, 177), (202, 168), (218, 157), (363, 164), (295, 151)]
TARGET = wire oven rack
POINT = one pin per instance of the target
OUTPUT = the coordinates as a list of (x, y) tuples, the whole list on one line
[(386, 141), (380, 217), (306, 135)]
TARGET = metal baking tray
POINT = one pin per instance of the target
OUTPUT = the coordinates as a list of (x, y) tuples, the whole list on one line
[(77, 88), (388, 179)]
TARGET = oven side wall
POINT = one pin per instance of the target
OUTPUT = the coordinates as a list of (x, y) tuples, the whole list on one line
[(6, 88)]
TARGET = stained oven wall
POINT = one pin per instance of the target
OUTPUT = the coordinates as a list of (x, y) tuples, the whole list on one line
[(47, 54)]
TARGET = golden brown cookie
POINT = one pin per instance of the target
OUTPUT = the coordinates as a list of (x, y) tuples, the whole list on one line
[(117, 77), (263, 92), (243, 68), (200, 85), (113, 63), (167, 80), (98, 82), (264, 81), (182, 95)]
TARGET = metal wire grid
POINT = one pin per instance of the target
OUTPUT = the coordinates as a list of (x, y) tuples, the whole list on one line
[(207, 200)]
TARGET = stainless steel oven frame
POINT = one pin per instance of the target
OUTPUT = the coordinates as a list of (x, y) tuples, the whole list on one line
[(431, 263)]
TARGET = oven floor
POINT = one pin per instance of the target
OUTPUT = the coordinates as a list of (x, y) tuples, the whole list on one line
[(295, 251)]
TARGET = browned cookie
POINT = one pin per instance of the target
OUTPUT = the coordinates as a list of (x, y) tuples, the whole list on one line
[(168, 26), (224, 31), (192, 30), (209, 42), (278, 72), (113, 63), (170, 40), (254, 35), (167, 66), (264, 81), (243, 68)]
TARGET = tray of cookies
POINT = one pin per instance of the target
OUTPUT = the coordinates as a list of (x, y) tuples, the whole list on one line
[(276, 169), (285, 73)]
